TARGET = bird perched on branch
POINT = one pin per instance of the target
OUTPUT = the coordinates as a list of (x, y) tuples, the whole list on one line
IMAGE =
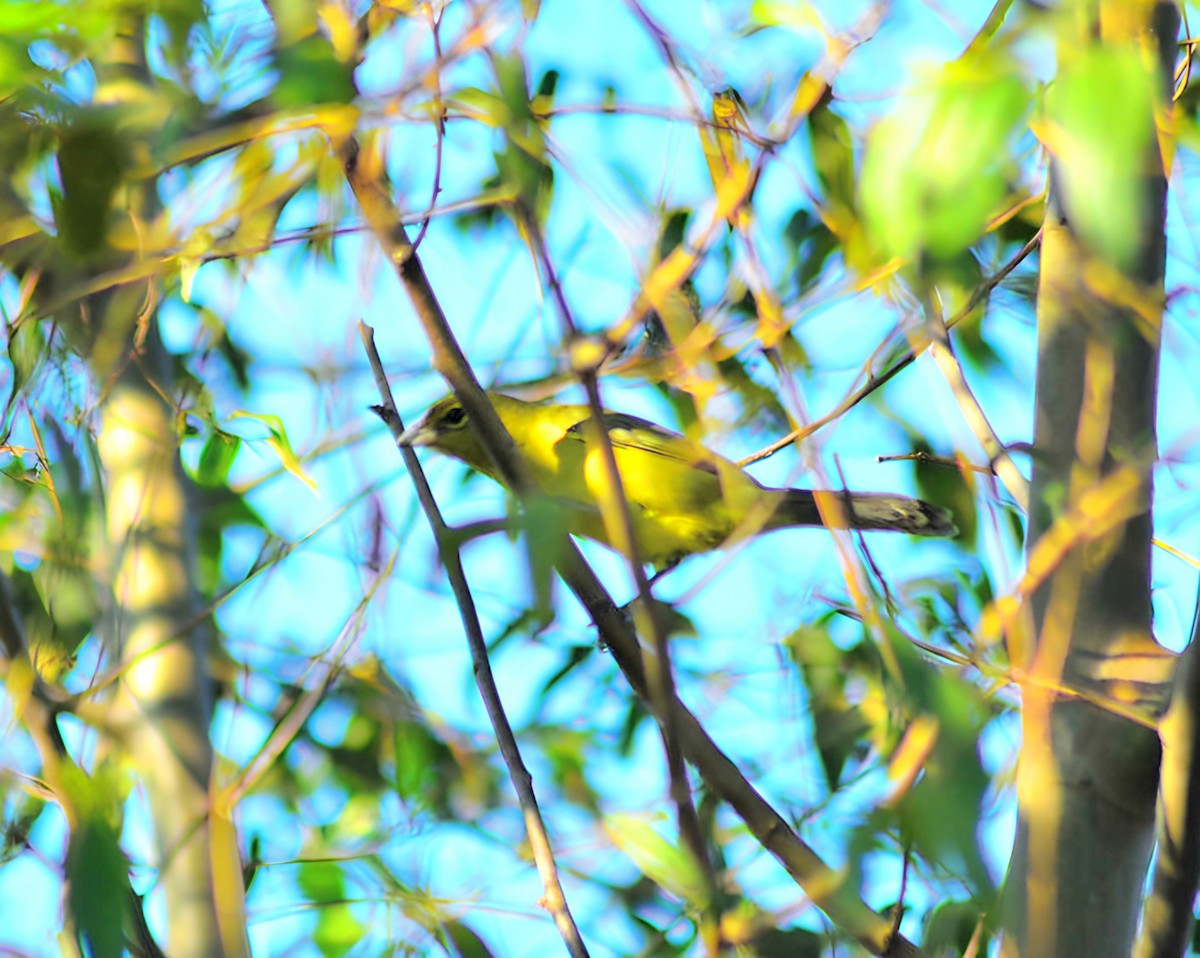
[(682, 497)]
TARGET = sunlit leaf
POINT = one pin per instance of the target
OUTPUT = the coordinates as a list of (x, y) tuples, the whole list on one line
[(935, 169), (665, 862), (728, 166), (798, 15), (217, 457), (1100, 131), (481, 105), (278, 441), (910, 756)]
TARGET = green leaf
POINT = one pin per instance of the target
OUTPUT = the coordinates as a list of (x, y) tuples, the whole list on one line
[(949, 489), (936, 168), (788, 943), (575, 656), (1101, 111), (321, 882), (98, 887), (809, 242), (97, 871), (833, 153), (481, 105), (940, 813), (418, 755), (545, 527), (838, 727), (216, 458), (522, 164), (278, 441), (20, 819), (337, 931), (664, 862), (950, 927), (65, 610), (467, 944), (311, 73), (26, 345)]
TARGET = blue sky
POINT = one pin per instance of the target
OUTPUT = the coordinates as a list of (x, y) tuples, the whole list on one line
[(297, 317)]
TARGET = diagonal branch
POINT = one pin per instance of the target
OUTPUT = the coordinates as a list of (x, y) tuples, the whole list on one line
[(903, 362), (555, 900), (826, 886), (614, 511)]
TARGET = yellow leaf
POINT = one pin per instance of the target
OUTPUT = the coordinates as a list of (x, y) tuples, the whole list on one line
[(732, 174), (911, 755), (278, 441), (343, 32)]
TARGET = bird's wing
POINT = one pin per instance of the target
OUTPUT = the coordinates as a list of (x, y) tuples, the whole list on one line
[(634, 433)]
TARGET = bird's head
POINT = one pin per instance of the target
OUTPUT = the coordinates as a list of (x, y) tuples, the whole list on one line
[(444, 428)]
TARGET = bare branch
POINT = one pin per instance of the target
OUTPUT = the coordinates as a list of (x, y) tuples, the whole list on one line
[(555, 900), (826, 886), (874, 382)]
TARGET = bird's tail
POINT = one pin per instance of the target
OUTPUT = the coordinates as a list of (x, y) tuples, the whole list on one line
[(861, 510)]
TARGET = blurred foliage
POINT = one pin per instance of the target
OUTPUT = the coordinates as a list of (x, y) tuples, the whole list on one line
[(120, 181), (936, 170)]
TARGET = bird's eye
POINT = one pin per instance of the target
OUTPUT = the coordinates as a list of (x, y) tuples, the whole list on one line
[(455, 415)]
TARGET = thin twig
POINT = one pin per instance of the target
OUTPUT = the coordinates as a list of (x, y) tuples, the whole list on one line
[(826, 886), (328, 667), (874, 382), (942, 352), (933, 460), (555, 900), (614, 508), (435, 29)]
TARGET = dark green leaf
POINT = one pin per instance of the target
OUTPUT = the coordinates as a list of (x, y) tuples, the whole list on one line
[(950, 927), (946, 486), (310, 73), (97, 871), (419, 755), (833, 153), (463, 942), (91, 163), (216, 458)]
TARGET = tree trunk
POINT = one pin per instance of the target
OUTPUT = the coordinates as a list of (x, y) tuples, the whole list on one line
[(1088, 776), (162, 709)]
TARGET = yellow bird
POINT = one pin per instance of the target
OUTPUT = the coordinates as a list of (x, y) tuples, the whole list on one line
[(683, 498)]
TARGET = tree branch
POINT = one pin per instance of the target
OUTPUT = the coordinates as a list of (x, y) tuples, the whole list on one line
[(826, 886), (555, 901)]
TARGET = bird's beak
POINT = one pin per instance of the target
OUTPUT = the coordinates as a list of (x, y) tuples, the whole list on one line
[(418, 434)]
